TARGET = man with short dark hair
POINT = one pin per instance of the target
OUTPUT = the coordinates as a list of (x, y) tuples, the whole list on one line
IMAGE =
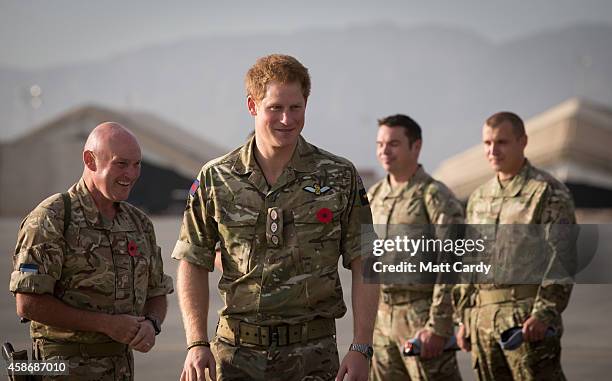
[(87, 269), (519, 194), (283, 212), (408, 196)]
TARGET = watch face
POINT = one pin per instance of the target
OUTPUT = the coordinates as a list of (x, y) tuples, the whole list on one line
[(370, 351)]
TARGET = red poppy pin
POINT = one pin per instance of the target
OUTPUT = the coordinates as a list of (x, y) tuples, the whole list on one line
[(324, 215), (133, 249)]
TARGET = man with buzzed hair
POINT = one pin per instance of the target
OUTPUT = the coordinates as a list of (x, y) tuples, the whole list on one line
[(283, 213), (411, 201), (519, 194), (87, 269)]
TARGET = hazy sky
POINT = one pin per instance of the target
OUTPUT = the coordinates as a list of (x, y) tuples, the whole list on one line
[(40, 33)]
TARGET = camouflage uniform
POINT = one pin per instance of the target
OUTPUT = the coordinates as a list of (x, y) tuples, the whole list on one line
[(89, 267), (406, 309), (531, 197), (280, 247)]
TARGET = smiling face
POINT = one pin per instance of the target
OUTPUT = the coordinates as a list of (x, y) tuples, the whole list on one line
[(279, 116), (504, 149), (112, 165), (394, 152)]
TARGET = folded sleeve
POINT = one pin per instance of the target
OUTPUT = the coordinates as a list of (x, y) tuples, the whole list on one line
[(198, 235), (39, 254)]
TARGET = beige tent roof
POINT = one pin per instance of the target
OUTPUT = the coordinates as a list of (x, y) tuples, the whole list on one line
[(162, 142), (573, 141), (48, 159)]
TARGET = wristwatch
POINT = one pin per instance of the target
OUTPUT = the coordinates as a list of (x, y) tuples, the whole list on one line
[(364, 349), (156, 323)]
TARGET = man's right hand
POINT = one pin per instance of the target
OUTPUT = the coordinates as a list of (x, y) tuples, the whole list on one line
[(462, 341), (432, 345), (123, 328), (197, 360)]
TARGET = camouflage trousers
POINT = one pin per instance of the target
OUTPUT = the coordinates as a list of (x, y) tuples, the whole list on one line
[(315, 360), (394, 325), (531, 361), (112, 368)]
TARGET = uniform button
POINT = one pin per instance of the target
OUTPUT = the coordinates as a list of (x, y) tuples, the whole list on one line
[(274, 227), (274, 239), (273, 214)]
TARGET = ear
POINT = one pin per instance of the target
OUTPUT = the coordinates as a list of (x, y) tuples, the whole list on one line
[(252, 106), (89, 160), (416, 146), (523, 140)]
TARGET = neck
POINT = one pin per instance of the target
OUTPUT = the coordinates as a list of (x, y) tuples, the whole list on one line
[(509, 174), (273, 160), (403, 177), (105, 207)]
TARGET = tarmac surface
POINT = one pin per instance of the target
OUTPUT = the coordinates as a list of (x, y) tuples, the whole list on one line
[(587, 342)]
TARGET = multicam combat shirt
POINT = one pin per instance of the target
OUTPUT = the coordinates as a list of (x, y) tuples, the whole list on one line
[(110, 267), (416, 208), (531, 197), (280, 244)]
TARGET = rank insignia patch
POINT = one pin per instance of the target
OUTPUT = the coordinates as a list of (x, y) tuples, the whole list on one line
[(363, 195)]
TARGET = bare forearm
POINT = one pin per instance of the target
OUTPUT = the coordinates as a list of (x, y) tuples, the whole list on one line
[(365, 304), (192, 287), (156, 306), (36, 307)]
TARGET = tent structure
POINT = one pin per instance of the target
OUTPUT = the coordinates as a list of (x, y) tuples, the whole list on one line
[(48, 160), (573, 141)]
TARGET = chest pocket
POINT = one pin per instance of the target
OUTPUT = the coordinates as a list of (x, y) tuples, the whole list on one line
[(522, 209), (88, 270), (237, 226), (141, 261), (318, 226), (485, 210), (410, 211)]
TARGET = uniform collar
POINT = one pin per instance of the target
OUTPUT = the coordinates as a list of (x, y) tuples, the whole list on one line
[(514, 187), (416, 178), (121, 222), (301, 160)]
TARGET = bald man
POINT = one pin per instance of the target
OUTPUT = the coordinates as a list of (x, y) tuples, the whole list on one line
[(87, 269)]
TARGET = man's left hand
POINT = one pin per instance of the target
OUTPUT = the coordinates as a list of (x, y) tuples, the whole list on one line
[(533, 329), (145, 338), (432, 345), (354, 366)]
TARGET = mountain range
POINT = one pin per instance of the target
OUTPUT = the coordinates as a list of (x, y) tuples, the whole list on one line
[(448, 79)]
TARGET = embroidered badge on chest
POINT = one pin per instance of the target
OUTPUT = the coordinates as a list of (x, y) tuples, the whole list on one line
[(317, 189)]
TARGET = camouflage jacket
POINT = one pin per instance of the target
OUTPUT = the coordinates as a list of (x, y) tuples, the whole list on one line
[(96, 266), (280, 245), (423, 201), (531, 197)]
